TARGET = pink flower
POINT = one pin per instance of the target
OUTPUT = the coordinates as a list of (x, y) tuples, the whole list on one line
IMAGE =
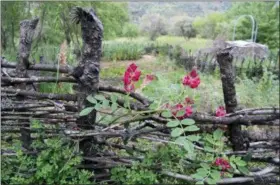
[(188, 111), (131, 76), (220, 112), (189, 101), (178, 107), (192, 79), (222, 163)]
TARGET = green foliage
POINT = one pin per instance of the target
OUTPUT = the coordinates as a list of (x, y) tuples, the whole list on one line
[(113, 50), (154, 25), (184, 28), (130, 30), (266, 15), (144, 172), (54, 164), (208, 27)]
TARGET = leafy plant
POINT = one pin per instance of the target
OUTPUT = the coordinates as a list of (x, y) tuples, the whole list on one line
[(55, 163)]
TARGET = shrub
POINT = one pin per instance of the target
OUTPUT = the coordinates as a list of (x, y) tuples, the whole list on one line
[(55, 164), (130, 31)]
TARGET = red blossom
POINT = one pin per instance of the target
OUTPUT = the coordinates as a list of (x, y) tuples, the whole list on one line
[(192, 79), (189, 101), (222, 163), (220, 112), (193, 73), (178, 107), (188, 111), (131, 76)]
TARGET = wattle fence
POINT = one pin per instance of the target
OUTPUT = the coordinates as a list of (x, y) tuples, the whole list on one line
[(22, 103)]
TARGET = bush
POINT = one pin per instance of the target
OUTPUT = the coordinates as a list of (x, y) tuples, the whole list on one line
[(130, 31), (207, 26), (55, 164), (184, 28), (154, 25), (114, 50)]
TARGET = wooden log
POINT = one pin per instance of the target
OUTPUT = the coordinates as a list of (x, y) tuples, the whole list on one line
[(225, 59), (40, 67), (27, 30)]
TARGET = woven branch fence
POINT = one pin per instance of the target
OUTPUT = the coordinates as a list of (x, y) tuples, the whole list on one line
[(21, 102)]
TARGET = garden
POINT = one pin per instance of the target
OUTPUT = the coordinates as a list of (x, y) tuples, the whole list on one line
[(126, 93)]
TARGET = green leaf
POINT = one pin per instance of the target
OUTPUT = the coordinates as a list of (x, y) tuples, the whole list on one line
[(86, 111), (97, 106), (91, 99), (187, 122), (105, 103), (209, 149), (166, 114), (173, 123), (191, 128), (114, 98), (193, 137), (243, 170), (180, 113), (180, 140), (99, 97), (240, 163), (114, 106), (199, 183), (232, 165), (197, 176), (188, 146), (205, 166), (177, 132), (215, 175), (211, 181), (218, 134), (202, 172)]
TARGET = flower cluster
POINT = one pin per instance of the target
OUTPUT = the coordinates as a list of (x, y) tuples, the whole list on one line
[(223, 163), (186, 106), (220, 112), (192, 79), (131, 76)]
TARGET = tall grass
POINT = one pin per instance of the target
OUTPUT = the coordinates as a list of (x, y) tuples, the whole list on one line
[(116, 50)]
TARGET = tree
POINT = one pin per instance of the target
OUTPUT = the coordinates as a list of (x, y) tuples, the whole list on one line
[(266, 15), (207, 27), (184, 28), (130, 30), (154, 25)]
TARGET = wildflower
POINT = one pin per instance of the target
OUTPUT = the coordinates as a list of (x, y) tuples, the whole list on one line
[(220, 112), (131, 76), (192, 79), (223, 163), (178, 107), (189, 101)]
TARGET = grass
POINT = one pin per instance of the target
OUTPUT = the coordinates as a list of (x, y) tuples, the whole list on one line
[(208, 96)]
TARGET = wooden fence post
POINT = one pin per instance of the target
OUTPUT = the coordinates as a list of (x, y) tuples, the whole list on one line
[(87, 71), (27, 29), (225, 59)]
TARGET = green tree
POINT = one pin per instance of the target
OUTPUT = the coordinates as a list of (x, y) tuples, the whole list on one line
[(208, 27), (266, 15)]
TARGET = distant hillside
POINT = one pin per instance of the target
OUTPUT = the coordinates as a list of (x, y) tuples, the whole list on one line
[(175, 9)]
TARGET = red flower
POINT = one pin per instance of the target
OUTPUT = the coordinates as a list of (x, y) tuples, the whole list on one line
[(222, 163), (189, 101), (192, 79), (131, 76), (193, 73), (220, 112), (188, 111), (178, 107)]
